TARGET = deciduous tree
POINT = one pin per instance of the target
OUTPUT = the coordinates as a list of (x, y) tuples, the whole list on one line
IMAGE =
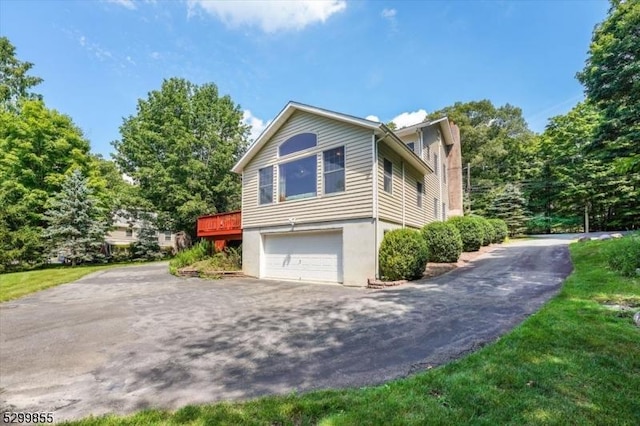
[(180, 147)]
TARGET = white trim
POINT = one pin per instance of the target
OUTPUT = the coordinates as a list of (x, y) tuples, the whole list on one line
[(403, 195), (375, 166)]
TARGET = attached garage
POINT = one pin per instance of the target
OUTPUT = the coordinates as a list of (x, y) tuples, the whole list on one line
[(304, 256)]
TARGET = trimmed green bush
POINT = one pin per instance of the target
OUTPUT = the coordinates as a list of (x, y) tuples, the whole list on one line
[(623, 255), (471, 232), (500, 228), (443, 240), (403, 255), (488, 233)]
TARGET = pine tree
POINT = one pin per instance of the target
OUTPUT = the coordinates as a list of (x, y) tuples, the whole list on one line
[(76, 224), (147, 246), (509, 205)]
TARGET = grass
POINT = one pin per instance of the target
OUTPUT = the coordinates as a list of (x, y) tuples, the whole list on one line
[(18, 284), (573, 362)]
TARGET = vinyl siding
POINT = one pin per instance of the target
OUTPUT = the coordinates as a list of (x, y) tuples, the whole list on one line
[(354, 202), (390, 205), (434, 185)]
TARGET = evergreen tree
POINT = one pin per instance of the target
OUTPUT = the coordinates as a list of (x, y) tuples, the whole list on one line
[(77, 226), (147, 246), (509, 205)]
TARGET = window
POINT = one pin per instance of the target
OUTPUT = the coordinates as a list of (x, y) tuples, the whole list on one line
[(333, 170), (388, 176), (436, 165), (427, 153), (298, 143), (167, 235), (444, 173), (435, 208), (298, 179), (444, 211), (265, 176), (129, 232), (419, 191), (412, 146)]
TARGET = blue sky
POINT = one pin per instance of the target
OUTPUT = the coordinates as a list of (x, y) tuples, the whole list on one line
[(388, 59)]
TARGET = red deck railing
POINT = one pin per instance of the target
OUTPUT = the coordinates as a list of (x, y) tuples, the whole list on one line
[(221, 226)]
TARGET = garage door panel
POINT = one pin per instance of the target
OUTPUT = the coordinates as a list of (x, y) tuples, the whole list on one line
[(304, 256)]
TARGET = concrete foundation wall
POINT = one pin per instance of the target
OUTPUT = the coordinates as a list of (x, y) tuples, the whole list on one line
[(358, 248)]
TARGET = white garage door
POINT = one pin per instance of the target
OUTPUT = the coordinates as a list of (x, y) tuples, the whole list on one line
[(304, 256)]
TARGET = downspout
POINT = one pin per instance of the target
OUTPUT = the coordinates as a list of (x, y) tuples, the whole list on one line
[(441, 159), (374, 149), (403, 191)]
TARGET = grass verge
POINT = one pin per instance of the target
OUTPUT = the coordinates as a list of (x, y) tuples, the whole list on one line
[(574, 362), (18, 284)]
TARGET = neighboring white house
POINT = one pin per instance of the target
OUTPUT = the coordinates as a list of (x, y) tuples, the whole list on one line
[(125, 231), (320, 188)]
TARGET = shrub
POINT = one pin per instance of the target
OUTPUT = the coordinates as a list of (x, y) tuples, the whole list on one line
[(188, 257), (403, 255), (623, 255), (471, 232), (500, 228), (443, 240), (488, 233)]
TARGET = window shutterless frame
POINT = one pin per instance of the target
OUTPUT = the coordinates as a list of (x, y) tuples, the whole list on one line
[(333, 170), (388, 176), (265, 185)]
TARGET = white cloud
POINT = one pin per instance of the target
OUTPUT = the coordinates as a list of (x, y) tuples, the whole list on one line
[(257, 124), (129, 4), (409, 118), (372, 118), (389, 13), (270, 15), (95, 49), (155, 55), (391, 16)]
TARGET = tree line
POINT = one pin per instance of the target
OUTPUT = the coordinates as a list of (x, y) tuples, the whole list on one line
[(585, 162), (179, 146)]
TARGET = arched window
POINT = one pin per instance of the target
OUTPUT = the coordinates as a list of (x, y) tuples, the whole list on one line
[(297, 143)]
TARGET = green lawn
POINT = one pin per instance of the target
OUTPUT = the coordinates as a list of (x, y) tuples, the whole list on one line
[(574, 362), (18, 284)]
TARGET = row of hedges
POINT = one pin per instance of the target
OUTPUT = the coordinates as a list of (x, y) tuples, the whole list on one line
[(405, 252)]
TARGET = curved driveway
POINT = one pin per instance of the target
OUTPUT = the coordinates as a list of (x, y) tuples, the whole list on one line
[(136, 337)]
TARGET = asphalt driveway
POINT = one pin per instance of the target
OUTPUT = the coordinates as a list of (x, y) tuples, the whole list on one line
[(126, 339)]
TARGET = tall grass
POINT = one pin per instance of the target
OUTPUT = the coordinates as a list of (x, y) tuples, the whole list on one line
[(198, 252)]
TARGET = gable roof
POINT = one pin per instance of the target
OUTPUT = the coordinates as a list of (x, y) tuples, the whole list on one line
[(379, 129), (442, 122)]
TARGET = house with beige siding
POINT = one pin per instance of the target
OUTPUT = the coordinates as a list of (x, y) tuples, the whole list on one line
[(124, 231), (320, 189)]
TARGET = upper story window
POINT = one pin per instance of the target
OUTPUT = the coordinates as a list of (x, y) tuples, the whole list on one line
[(420, 191), (297, 143), (436, 166), (427, 152), (167, 235), (333, 161), (298, 179), (388, 176), (265, 185), (129, 232), (412, 146)]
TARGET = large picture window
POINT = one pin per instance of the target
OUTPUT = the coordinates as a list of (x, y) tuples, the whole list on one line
[(298, 179), (297, 143), (388, 176), (266, 185), (333, 161)]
